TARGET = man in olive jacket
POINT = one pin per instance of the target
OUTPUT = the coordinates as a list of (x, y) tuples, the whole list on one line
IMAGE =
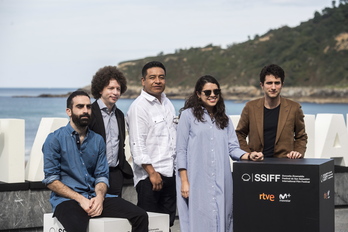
[(273, 124)]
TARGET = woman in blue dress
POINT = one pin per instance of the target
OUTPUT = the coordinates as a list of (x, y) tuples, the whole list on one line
[(206, 140)]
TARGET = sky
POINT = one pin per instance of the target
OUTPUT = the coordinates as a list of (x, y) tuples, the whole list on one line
[(62, 43)]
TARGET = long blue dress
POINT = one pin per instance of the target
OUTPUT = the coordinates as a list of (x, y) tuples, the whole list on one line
[(204, 150)]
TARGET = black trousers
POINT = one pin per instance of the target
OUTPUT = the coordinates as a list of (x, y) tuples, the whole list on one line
[(116, 181), (75, 219), (163, 201)]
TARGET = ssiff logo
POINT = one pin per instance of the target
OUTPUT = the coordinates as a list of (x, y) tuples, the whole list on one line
[(266, 177), (261, 177), (246, 177)]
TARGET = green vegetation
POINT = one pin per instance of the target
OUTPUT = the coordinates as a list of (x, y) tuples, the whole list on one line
[(315, 53)]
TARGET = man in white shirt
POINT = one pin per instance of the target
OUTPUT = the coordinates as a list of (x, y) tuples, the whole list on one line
[(152, 137)]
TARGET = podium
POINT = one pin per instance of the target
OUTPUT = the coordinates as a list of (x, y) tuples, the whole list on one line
[(287, 195)]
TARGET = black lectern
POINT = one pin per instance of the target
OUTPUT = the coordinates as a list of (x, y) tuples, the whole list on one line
[(281, 195)]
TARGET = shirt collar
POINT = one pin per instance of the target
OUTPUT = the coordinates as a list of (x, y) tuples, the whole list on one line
[(152, 98), (71, 130), (206, 111), (102, 106)]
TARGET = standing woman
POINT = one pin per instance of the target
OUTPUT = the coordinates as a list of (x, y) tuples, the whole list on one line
[(205, 140)]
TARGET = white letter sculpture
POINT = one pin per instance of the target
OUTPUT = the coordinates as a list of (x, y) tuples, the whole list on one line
[(12, 154), (34, 169)]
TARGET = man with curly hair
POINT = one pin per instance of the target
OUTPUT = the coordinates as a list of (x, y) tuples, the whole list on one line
[(107, 86)]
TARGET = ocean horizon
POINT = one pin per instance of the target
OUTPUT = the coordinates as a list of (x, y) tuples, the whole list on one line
[(33, 108)]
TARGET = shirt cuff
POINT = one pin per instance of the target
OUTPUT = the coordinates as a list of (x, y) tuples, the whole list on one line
[(50, 179), (103, 180), (145, 159)]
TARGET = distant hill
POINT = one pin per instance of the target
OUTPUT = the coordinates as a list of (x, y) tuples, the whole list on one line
[(313, 54)]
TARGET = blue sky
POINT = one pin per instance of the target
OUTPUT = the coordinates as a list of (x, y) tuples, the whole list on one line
[(62, 43)]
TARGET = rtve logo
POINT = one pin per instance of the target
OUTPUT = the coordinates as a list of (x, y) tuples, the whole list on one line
[(266, 197)]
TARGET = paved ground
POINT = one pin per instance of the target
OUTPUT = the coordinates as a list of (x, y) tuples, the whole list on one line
[(341, 221)]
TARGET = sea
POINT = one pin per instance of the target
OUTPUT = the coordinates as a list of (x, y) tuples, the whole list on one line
[(23, 103)]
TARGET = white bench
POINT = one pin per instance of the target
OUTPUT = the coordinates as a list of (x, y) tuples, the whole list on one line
[(157, 223)]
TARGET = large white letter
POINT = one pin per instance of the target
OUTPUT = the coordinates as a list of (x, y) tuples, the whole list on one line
[(34, 168), (12, 155), (310, 130), (331, 138)]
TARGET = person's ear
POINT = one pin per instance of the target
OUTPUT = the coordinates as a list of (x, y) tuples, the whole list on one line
[(68, 112)]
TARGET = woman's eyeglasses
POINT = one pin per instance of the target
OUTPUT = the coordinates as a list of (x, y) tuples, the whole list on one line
[(208, 92)]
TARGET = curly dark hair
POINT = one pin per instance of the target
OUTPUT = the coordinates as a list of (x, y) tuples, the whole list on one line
[(274, 70), (103, 77), (197, 106)]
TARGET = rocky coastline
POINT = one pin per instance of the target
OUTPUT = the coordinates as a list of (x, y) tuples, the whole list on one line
[(319, 95)]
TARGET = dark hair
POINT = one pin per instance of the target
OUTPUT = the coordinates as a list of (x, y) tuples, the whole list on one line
[(74, 94), (196, 104), (152, 64), (274, 70), (102, 78)]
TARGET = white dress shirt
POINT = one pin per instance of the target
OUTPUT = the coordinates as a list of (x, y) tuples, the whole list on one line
[(152, 135)]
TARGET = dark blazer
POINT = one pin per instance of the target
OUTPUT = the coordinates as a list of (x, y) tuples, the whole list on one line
[(97, 125), (291, 133)]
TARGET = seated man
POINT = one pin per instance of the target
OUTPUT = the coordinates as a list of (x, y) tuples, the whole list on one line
[(77, 172)]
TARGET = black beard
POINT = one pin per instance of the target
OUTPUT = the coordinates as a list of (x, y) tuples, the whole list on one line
[(78, 121)]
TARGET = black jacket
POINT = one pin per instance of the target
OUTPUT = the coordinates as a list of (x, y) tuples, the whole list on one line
[(97, 125)]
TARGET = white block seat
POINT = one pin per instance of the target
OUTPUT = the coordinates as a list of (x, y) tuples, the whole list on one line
[(157, 223)]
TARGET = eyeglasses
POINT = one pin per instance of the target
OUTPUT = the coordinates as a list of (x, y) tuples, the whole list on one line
[(208, 92)]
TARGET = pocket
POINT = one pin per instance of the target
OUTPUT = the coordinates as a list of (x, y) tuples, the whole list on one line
[(159, 126), (158, 119)]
